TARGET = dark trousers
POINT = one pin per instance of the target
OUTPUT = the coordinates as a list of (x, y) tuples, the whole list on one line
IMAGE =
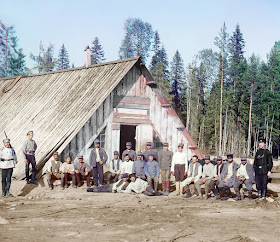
[(110, 177), (30, 160), (81, 177), (104, 188), (261, 181), (66, 178), (248, 184), (214, 187), (97, 173), (6, 179), (179, 170)]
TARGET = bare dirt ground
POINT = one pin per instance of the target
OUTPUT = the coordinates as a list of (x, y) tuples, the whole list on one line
[(39, 214)]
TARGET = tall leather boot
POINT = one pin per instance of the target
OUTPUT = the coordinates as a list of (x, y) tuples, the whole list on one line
[(74, 180), (177, 188), (79, 180), (250, 195), (62, 182), (238, 196), (50, 184), (88, 180)]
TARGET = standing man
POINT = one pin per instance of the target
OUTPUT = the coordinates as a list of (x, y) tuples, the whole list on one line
[(7, 165), (97, 159), (53, 170), (214, 184), (148, 151), (165, 160), (245, 175), (207, 175), (227, 178), (115, 168), (82, 171), (262, 166), (28, 149), (138, 166), (129, 151), (179, 168), (194, 174), (152, 172)]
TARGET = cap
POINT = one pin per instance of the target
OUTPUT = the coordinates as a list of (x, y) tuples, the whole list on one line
[(80, 157), (229, 156), (29, 132), (139, 153), (165, 144), (6, 140), (195, 156), (149, 144), (207, 157), (125, 175), (128, 144), (97, 141), (151, 155), (132, 175), (55, 153), (243, 158), (219, 158), (181, 145), (116, 152)]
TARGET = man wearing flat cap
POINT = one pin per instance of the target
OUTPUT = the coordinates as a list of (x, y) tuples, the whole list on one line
[(53, 170), (7, 165), (29, 147), (152, 172), (227, 178), (138, 166), (97, 159), (216, 180), (149, 150), (115, 168), (164, 162), (82, 171), (129, 151), (245, 175), (179, 168), (262, 166)]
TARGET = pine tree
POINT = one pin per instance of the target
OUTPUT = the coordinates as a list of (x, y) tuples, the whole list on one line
[(63, 59), (97, 52)]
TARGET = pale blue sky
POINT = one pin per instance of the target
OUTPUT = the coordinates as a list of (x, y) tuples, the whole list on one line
[(188, 26)]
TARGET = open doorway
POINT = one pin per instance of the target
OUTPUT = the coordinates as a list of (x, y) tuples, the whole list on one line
[(127, 135)]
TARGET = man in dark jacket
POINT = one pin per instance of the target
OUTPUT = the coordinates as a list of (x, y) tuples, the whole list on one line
[(245, 175), (262, 166), (97, 159), (129, 151), (149, 151)]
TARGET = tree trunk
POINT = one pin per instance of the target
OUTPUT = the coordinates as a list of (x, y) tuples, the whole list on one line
[(250, 121)]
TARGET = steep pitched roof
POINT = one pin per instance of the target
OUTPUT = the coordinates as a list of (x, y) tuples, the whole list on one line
[(56, 105)]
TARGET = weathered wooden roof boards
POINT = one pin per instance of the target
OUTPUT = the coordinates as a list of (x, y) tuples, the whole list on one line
[(56, 105)]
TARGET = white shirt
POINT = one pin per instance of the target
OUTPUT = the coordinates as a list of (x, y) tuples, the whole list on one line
[(242, 171), (67, 168), (119, 188), (97, 155), (179, 158), (54, 166), (138, 186), (230, 167), (208, 170), (126, 167), (9, 158)]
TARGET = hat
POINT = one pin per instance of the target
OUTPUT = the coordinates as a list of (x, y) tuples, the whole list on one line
[(230, 156), (243, 158), (151, 155), (139, 153), (55, 153), (261, 140), (132, 175), (207, 157), (116, 152), (149, 144), (80, 157), (97, 141), (6, 140), (165, 144), (125, 175), (29, 132), (181, 145), (128, 144), (219, 158), (195, 156)]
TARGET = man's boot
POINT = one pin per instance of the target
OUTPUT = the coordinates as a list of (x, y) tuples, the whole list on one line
[(79, 180), (264, 193), (62, 183), (259, 194), (74, 181), (167, 187), (177, 188), (50, 184), (163, 188), (223, 194), (3, 191), (250, 195), (88, 181), (238, 196)]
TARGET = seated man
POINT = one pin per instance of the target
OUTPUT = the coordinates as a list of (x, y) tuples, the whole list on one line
[(227, 177), (115, 168), (82, 171), (53, 170), (68, 169), (137, 185), (126, 167), (207, 175), (152, 172), (138, 166), (118, 186), (245, 175), (216, 180), (194, 174)]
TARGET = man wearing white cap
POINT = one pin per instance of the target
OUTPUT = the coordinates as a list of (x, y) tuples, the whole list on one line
[(7, 164)]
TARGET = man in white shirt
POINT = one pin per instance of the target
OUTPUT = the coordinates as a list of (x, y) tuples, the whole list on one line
[(68, 170), (245, 175), (115, 168), (194, 174), (179, 168), (7, 165), (53, 170), (126, 167), (207, 175)]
